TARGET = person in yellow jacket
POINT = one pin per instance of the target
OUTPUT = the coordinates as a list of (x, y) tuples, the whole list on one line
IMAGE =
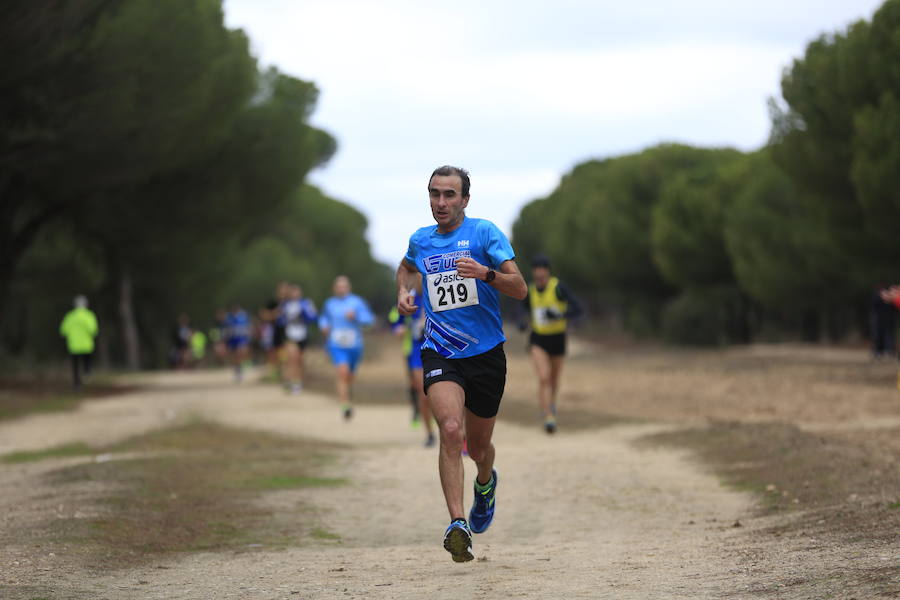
[(549, 305), (79, 327)]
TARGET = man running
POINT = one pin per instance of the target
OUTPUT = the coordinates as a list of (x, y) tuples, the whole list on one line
[(412, 328), (267, 316), (550, 304), (297, 313), (464, 263), (179, 357), (341, 321), (79, 327), (237, 339), (218, 334)]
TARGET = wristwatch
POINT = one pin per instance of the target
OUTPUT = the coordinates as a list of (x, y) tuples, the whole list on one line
[(490, 276)]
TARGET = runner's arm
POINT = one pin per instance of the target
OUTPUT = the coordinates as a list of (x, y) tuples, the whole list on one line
[(309, 312), (523, 313), (324, 320), (364, 315), (406, 283), (508, 281), (574, 309)]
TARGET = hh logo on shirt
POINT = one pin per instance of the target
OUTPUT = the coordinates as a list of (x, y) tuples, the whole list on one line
[(462, 244)]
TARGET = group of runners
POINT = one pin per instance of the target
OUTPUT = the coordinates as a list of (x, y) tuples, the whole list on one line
[(449, 284), (281, 332), (448, 310)]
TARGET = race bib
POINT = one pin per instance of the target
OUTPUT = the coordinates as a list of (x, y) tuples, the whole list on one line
[(448, 290), (296, 332), (344, 338), (539, 314)]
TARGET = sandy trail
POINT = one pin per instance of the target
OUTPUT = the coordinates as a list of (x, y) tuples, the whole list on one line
[(580, 515)]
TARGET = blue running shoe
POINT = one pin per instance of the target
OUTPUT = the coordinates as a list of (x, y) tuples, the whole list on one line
[(458, 541), (482, 512)]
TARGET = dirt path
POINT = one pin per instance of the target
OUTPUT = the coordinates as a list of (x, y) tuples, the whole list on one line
[(580, 515)]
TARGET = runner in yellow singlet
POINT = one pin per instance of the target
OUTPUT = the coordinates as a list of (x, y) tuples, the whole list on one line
[(550, 305)]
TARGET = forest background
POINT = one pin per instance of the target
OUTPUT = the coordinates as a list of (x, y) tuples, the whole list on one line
[(148, 161)]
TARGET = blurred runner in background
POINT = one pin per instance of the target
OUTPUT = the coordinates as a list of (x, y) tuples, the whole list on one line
[(79, 327), (296, 314), (237, 339), (342, 319), (217, 336), (412, 328), (180, 352), (549, 305)]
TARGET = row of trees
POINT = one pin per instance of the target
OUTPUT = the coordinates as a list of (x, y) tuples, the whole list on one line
[(717, 246), (147, 161)]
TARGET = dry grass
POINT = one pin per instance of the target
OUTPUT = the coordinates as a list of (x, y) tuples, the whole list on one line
[(22, 395), (195, 487)]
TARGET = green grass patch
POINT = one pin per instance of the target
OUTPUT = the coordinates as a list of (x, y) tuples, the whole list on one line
[(322, 534), (281, 482), (67, 450), (198, 487), (893, 505)]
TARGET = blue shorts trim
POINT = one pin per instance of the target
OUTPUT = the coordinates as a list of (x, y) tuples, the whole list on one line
[(238, 342), (345, 356)]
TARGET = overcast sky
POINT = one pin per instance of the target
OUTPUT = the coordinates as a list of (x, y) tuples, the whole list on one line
[(520, 92)]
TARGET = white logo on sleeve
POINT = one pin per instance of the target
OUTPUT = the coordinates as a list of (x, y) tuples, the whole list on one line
[(435, 373)]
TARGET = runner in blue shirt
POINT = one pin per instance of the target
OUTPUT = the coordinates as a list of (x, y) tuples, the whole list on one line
[(237, 338), (342, 318), (465, 265), (412, 328)]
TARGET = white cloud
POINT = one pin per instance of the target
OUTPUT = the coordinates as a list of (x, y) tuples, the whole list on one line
[(520, 92)]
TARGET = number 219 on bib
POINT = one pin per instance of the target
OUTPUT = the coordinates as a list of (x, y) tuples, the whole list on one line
[(448, 290)]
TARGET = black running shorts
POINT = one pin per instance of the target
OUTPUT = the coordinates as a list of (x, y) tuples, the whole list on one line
[(482, 377), (554, 345), (279, 337)]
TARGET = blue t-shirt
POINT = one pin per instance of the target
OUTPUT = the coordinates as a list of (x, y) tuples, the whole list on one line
[(344, 333), (462, 314), (237, 325)]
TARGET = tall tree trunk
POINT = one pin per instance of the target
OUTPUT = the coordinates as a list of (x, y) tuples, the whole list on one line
[(103, 351), (6, 319), (129, 325)]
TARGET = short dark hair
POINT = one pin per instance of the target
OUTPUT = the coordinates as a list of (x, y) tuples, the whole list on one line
[(540, 260), (446, 171)]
